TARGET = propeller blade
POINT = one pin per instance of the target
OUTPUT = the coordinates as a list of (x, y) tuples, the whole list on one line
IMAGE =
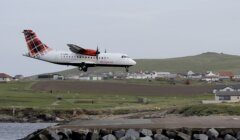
[(97, 52)]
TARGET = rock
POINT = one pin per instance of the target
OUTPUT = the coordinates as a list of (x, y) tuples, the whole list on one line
[(238, 135), (146, 132), (229, 137), (160, 137), (119, 134), (224, 132), (92, 136), (54, 135), (68, 132), (146, 138), (42, 137), (95, 136), (78, 136), (183, 136), (128, 138), (159, 131), (132, 132), (212, 133), (104, 132), (109, 137), (187, 131), (171, 134), (62, 135), (200, 137)]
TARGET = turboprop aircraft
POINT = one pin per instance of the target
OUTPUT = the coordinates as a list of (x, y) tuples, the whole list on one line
[(76, 56)]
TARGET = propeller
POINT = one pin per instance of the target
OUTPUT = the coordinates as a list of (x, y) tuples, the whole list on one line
[(97, 52)]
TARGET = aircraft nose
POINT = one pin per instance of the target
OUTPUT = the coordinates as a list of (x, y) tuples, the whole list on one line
[(133, 62)]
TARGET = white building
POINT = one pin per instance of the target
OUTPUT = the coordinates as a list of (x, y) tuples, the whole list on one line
[(5, 78), (225, 94), (211, 77)]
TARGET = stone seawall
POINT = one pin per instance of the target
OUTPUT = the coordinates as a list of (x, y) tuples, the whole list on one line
[(136, 134)]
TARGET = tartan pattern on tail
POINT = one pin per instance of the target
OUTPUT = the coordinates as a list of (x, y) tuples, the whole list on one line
[(35, 46)]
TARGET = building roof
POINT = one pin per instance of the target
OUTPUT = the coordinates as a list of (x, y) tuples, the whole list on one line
[(226, 73), (228, 93), (235, 86), (4, 75)]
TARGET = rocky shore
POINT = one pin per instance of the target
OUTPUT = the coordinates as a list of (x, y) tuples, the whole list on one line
[(135, 134)]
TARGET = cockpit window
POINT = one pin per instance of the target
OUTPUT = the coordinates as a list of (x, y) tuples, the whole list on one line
[(124, 56)]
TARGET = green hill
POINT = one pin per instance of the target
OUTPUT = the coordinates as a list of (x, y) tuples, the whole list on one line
[(198, 63)]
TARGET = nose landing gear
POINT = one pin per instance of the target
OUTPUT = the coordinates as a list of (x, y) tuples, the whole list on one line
[(127, 69)]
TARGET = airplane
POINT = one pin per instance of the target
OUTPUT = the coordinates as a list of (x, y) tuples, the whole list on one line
[(77, 56)]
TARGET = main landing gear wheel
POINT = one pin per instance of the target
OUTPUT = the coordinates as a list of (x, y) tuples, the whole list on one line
[(83, 67)]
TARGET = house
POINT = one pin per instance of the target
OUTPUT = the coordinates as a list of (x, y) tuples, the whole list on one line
[(220, 88), (18, 77), (50, 77), (5, 77), (166, 75), (226, 75), (210, 77), (236, 77), (189, 73), (225, 94), (136, 76)]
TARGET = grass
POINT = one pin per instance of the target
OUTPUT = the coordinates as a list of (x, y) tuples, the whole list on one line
[(205, 110), (20, 95)]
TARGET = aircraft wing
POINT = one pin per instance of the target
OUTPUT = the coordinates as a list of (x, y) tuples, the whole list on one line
[(76, 49), (79, 50)]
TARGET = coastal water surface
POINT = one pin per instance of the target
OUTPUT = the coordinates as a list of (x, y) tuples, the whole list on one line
[(14, 131)]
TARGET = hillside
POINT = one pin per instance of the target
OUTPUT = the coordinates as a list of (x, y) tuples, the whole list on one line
[(198, 63)]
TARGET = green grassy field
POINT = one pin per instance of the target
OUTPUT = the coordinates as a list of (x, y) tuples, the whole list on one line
[(20, 95)]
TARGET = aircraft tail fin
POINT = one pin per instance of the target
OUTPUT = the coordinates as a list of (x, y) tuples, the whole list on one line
[(34, 44)]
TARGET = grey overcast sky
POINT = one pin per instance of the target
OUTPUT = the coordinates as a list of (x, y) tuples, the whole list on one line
[(140, 28)]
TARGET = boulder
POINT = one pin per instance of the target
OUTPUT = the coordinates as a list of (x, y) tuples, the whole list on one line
[(54, 135), (146, 138), (171, 134), (229, 137), (200, 137), (94, 136), (63, 135), (212, 133), (109, 137), (78, 136), (119, 133), (42, 137), (104, 132), (183, 136), (146, 132), (160, 137), (159, 131), (128, 138), (238, 135), (229, 131), (133, 133)]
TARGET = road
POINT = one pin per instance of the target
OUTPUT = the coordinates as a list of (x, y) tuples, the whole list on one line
[(170, 122)]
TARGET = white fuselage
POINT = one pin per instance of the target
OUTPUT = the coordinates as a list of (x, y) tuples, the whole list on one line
[(70, 58)]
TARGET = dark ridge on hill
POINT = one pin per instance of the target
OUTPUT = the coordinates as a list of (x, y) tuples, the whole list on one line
[(209, 61)]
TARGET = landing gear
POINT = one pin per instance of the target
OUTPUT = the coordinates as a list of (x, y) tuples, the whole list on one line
[(83, 67), (127, 69)]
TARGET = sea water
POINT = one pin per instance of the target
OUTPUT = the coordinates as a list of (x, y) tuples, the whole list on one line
[(13, 131)]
